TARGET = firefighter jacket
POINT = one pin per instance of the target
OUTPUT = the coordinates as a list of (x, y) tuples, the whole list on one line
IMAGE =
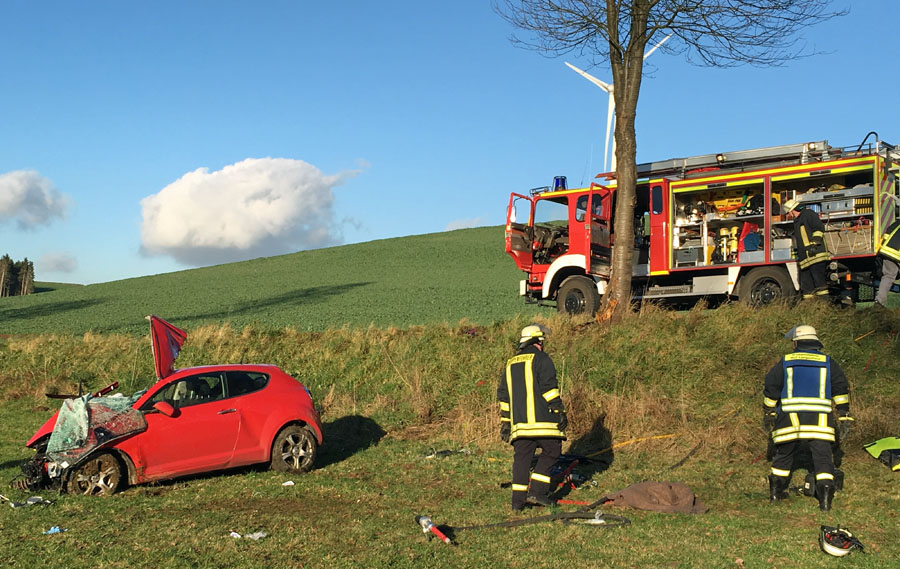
[(890, 243), (801, 389), (809, 235), (529, 396)]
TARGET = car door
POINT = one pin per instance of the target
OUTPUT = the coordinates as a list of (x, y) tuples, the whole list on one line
[(202, 434)]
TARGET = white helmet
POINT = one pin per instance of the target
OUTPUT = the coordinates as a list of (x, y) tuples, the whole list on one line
[(838, 541), (802, 332), (533, 332)]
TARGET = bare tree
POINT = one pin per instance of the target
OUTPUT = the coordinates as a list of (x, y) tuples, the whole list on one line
[(716, 33)]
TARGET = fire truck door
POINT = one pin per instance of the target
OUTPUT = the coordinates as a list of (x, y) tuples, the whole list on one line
[(519, 231), (659, 227), (598, 229)]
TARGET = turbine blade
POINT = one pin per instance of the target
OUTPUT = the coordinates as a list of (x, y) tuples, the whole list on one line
[(605, 86), (652, 49), (610, 115)]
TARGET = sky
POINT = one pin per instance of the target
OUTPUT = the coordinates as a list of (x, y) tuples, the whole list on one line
[(140, 138)]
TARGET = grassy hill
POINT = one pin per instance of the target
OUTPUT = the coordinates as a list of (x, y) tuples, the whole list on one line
[(440, 277)]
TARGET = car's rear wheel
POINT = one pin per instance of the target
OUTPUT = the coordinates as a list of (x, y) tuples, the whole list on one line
[(100, 475), (294, 449)]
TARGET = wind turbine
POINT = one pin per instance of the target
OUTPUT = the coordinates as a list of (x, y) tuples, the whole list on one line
[(611, 108)]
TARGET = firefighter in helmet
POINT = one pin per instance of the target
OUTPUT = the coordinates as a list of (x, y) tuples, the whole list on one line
[(797, 407), (812, 254), (532, 416)]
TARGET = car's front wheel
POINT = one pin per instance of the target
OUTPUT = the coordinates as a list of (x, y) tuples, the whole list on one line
[(100, 475), (294, 449)]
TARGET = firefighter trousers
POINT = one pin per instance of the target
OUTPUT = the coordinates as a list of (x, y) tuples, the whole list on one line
[(822, 458), (522, 475), (812, 280)]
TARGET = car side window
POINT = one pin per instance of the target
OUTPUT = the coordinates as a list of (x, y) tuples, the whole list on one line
[(190, 391), (243, 382)]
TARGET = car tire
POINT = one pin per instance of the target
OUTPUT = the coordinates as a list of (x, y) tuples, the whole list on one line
[(294, 450), (99, 475), (578, 295), (766, 285)]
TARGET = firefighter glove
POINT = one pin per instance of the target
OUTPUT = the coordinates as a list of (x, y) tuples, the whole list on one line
[(504, 432), (844, 422), (768, 421), (563, 421)]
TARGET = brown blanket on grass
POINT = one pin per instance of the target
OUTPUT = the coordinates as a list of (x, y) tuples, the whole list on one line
[(669, 497)]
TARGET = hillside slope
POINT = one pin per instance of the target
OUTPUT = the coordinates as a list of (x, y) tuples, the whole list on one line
[(439, 277)]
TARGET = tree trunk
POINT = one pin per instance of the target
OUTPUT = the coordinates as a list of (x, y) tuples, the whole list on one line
[(627, 74)]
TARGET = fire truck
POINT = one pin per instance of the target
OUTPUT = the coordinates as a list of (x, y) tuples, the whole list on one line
[(709, 226)]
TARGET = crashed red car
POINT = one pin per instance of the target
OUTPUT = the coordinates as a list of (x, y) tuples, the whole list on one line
[(191, 421)]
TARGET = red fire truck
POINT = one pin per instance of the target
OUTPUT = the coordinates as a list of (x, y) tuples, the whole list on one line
[(709, 226)]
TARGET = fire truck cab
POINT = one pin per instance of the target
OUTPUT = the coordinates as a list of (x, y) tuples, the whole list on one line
[(709, 226)]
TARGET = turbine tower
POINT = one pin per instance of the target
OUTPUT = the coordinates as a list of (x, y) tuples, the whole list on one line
[(611, 108)]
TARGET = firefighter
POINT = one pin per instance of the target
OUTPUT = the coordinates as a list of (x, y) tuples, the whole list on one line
[(532, 416), (812, 255), (889, 253), (797, 407)]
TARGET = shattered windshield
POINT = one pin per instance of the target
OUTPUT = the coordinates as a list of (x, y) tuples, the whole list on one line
[(84, 423)]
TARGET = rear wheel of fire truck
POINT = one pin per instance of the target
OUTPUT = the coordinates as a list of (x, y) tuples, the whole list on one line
[(766, 285), (578, 295), (100, 475), (294, 449)]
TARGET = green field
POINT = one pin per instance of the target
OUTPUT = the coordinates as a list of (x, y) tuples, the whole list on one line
[(677, 395), (404, 281)]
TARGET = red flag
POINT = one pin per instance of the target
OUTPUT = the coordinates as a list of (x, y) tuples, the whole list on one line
[(167, 341)]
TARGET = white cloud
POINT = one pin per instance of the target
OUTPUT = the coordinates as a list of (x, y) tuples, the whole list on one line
[(30, 199), (464, 223), (258, 207), (57, 262)]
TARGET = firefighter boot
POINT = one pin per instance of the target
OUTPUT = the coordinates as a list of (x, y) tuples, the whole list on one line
[(777, 488), (825, 494)]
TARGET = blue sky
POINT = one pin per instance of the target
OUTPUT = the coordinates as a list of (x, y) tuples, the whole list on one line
[(144, 138)]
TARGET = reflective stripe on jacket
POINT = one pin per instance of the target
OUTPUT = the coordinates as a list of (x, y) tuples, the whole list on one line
[(801, 389), (890, 242), (527, 391), (809, 234)]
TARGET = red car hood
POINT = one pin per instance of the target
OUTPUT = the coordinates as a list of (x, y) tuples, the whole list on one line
[(167, 341)]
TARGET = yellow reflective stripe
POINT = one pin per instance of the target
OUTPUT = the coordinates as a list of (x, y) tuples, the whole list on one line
[(505, 420), (841, 399), (551, 395), (504, 406), (770, 402), (823, 420), (818, 233), (806, 356), (794, 436), (824, 476), (779, 472), (529, 391), (520, 487), (806, 401), (789, 380), (540, 477), (521, 358), (804, 236), (806, 408), (823, 378)]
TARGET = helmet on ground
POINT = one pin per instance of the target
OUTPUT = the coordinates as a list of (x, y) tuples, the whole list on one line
[(802, 332), (838, 541), (533, 333)]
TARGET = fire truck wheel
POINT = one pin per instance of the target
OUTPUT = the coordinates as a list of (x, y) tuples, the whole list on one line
[(766, 285), (578, 295)]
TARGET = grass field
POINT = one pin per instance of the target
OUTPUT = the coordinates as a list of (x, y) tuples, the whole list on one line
[(404, 281), (677, 395)]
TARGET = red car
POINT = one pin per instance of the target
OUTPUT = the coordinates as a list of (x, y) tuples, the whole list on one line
[(192, 420)]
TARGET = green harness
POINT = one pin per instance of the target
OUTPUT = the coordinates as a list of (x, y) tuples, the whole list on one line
[(887, 450)]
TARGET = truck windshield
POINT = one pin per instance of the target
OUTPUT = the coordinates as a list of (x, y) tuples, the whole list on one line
[(553, 211)]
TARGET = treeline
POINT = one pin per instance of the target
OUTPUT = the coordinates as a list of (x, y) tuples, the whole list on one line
[(16, 277)]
